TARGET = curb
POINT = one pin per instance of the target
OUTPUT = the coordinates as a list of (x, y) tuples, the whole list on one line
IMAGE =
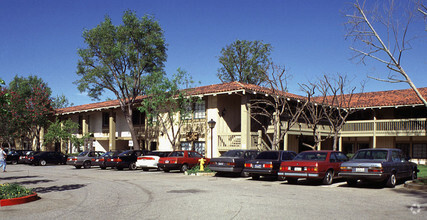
[(200, 174), (19, 200), (412, 185)]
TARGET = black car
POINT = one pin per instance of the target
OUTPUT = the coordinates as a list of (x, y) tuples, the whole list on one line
[(102, 161), (267, 163), (126, 159), (232, 161), (26, 158), (384, 165), (14, 156), (48, 157)]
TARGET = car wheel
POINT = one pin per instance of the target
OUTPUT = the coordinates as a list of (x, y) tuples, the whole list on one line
[(42, 163), (255, 176), (132, 166), (329, 178), (244, 174), (78, 167), (14, 162), (144, 169), (103, 167), (166, 170), (86, 165), (184, 167), (292, 180), (351, 182), (391, 181)]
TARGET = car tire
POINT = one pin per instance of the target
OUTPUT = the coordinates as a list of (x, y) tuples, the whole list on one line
[(352, 182), (329, 178), (103, 167), (414, 174), (78, 167), (86, 165), (255, 176), (166, 170), (118, 168), (144, 169), (244, 174), (184, 168), (292, 180), (14, 162), (391, 181), (42, 163), (132, 166)]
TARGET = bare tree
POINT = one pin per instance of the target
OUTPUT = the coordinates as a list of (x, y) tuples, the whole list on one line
[(341, 99), (278, 109), (314, 114), (363, 29)]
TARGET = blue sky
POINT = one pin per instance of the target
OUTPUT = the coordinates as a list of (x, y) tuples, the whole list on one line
[(40, 37)]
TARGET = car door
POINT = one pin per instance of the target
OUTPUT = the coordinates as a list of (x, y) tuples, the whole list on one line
[(398, 164)]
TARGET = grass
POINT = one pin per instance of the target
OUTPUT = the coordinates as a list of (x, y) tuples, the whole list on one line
[(423, 171), (14, 190), (196, 169)]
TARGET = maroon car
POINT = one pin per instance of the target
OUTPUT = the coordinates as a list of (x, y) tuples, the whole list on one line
[(180, 160), (316, 165)]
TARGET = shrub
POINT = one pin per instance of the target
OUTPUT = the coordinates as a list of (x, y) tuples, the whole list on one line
[(196, 169), (14, 190)]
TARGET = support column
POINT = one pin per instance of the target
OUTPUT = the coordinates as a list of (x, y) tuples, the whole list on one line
[(340, 144), (112, 132), (285, 142), (245, 120), (42, 147), (374, 137)]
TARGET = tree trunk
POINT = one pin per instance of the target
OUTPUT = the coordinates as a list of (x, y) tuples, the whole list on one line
[(335, 146), (127, 112)]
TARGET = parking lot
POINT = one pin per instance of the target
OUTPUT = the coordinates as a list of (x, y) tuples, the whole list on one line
[(69, 193)]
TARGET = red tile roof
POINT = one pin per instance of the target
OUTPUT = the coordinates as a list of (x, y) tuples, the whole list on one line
[(370, 99)]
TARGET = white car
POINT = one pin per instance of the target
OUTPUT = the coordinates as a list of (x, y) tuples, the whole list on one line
[(150, 160)]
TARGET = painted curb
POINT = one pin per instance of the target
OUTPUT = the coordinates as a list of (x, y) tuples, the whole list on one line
[(19, 200)]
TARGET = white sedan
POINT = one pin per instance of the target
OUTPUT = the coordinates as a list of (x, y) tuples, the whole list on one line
[(150, 160)]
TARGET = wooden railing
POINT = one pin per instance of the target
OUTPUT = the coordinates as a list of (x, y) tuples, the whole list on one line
[(233, 141), (386, 126)]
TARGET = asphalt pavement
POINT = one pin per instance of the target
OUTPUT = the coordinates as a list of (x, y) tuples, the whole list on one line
[(69, 193)]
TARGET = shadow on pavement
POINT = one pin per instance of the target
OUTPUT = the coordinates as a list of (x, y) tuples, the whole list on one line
[(33, 182), (17, 177), (58, 188)]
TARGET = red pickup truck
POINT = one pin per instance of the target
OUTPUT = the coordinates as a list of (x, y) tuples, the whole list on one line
[(180, 160)]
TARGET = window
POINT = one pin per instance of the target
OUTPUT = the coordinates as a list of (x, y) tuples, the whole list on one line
[(404, 148), (199, 110), (185, 145), (333, 158), (105, 119), (341, 157), (395, 156), (419, 151), (138, 118), (199, 147)]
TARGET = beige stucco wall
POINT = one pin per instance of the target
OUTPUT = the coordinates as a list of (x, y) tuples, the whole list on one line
[(385, 142)]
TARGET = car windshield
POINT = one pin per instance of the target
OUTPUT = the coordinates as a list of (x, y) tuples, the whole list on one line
[(233, 153), (82, 154), (371, 155), (271, 155), (177, 154), (318, 156)]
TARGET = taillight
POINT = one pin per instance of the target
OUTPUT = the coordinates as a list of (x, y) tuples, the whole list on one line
[(282, 168), (312, 169), (248, 165), (268, 165), (69, 159), (31, 158), (231, 164), (212, 163), (93, 159), (102, 159), (375, 169), (345, 169), (74, 159)]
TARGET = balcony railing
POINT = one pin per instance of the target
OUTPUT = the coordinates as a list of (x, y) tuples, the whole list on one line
[(385, 127), (233, 141)]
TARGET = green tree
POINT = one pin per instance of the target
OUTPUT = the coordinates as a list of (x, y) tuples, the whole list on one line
[(125, 59), (167, 105), (244, 61), (61, 101), (63, 131)]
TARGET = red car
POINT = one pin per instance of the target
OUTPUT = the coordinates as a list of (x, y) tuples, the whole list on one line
[(317, 165), (180, 160)]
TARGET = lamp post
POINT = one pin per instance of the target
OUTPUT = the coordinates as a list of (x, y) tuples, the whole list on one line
[(211, 124)]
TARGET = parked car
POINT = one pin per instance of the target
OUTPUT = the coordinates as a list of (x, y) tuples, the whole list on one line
[(48, 157), (267, 163), (382, 165), (150, 160), (14, 155), (232, 161), (102, 160), (126, 159), (85, 159), (180, 160), (26, 158), (314, 165)]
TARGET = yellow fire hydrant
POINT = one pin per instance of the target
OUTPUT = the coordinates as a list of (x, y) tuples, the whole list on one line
[(202, 162)]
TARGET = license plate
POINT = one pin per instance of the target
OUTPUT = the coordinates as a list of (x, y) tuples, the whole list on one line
[(220, 164), (298, 169), (258, 166), (166, 161), (360, 170)]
